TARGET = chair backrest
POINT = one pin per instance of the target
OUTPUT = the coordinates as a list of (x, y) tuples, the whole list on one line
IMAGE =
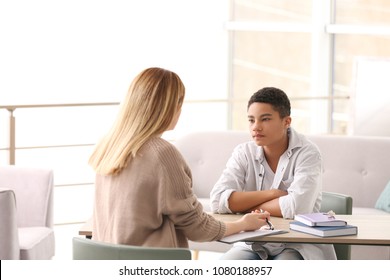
[(87, 249), (33, 189), (9, 241), (340, 204)]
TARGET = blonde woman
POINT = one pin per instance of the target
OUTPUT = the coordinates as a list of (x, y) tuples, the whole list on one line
[(143, 191)]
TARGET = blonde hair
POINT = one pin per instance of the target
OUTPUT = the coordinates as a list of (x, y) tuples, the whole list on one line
[(153, 99)]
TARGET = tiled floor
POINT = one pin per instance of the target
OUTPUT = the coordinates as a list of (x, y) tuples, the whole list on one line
[(65, 233)]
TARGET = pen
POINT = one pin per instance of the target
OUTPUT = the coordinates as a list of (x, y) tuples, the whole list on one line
[(271, 227)]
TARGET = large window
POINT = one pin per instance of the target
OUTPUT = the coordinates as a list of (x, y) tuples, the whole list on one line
[(361, 66), (311, 50)]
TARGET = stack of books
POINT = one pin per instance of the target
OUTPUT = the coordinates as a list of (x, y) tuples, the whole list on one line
[(322, 224)]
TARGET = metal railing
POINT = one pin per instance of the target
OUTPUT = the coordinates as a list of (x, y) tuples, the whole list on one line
[(12, 121)]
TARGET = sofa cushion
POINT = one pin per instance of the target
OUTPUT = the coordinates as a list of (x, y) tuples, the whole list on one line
[(36, 243), (383, 202)]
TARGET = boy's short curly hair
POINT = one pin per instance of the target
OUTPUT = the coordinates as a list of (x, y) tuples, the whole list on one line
[(275, 97)]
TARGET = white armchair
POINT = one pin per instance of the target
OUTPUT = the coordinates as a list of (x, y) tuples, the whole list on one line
[(26, 227), (9, 241)]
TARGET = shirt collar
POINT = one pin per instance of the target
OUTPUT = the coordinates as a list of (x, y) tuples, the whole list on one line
[(294, 143)]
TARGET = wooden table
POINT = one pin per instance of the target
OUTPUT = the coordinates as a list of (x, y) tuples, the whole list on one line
[(86, 229), (372, 230)]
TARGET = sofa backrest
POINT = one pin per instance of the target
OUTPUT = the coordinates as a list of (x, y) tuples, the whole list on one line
[(353, 165), (33, 188), (206, 154)]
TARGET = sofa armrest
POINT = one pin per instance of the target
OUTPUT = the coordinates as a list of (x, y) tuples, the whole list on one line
[(9, 241)]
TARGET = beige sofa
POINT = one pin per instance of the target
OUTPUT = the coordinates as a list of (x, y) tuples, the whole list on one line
[(355, 166)]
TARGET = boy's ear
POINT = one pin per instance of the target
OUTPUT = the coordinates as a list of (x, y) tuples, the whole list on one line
[(287, 121)]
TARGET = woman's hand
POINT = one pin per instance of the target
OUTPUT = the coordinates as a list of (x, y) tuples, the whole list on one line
[(250, 221), (254, 220)]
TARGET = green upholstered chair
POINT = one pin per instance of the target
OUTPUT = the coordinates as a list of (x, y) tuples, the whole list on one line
[(342, 205), (87, 249)]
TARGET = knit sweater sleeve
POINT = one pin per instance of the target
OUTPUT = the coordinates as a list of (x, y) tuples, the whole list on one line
[(179, 202)]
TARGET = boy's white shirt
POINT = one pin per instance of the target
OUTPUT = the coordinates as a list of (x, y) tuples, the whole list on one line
[(299, 172)]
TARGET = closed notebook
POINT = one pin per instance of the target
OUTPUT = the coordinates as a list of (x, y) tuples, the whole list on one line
[(324, 231), (319, 219)]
